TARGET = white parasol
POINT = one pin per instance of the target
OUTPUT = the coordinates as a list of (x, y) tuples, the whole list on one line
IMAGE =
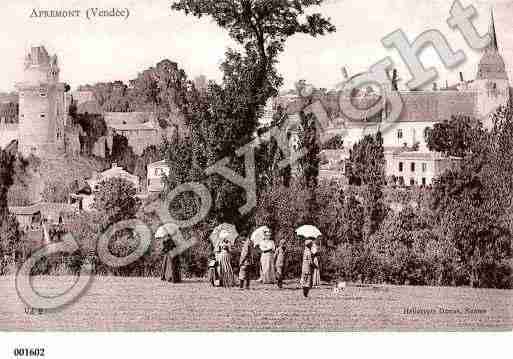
[(224, 231), (172, 230), (258, 235), (167, 229), (308, 231)]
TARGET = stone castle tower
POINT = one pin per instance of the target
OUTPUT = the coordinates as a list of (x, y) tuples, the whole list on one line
[(42, 105), (491, 83)]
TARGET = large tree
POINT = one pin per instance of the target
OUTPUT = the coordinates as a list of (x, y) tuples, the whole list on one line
[(9, 228), (7, 166), (367, 167), (456, 137), (367, 161), (261, 28), (471, 205), (225, 117)]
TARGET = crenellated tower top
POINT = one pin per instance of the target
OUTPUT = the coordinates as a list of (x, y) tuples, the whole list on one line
[(40, 68)]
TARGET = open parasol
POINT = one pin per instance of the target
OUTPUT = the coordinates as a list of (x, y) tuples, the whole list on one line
[(258, 235), (225, 230), (308, 231), (167, 229), (162, 236)]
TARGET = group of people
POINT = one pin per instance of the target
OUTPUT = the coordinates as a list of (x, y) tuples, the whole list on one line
[(273, 262)]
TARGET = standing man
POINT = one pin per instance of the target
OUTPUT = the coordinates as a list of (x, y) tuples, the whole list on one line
[(307, 268), (245, 263), (280, 258)]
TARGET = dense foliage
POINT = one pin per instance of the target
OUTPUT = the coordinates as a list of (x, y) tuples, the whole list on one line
[(116, 198), (456, 137)]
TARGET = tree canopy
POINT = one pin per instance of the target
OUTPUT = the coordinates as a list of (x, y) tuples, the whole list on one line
[(456, 137), (116, 198), (226, 116)]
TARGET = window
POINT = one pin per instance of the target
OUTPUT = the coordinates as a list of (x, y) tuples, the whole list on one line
[(42, 115), (412, 166), (423, 181), (42, 94), (400, 166), (157, 172), (399, 133), (412, 182), (424, 167)]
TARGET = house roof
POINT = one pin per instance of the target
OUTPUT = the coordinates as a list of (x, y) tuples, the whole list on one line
[(49, 210), (147, 126), (25, 210), (114, 171), (127, 118), (52, 211), (435, 106), (158, 164), (90, 107)]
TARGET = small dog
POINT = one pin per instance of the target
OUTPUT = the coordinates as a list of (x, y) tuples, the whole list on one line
[(339, 287)]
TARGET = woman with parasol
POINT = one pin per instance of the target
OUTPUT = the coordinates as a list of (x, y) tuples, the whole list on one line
[(262, 238), (170, 235), (225, 267), (222, 238), (308, 233)]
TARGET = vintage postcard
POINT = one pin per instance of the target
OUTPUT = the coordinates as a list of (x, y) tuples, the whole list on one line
[(256, 165)]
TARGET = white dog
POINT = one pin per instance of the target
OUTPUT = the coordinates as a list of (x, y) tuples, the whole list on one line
[(339, 287)]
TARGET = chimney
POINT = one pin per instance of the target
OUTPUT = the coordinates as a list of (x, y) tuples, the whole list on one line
[(461, 77), (435, 86)]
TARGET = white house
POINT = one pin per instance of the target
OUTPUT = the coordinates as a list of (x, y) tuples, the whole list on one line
[(418, 168), (154, 174), (114, 172)]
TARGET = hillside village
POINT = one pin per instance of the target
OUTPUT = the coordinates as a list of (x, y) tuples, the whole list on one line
[(78, 140)]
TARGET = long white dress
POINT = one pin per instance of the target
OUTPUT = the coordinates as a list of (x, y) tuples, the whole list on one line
[(267, 261)]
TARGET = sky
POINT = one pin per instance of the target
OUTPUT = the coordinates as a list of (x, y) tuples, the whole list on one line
[(109, 49)]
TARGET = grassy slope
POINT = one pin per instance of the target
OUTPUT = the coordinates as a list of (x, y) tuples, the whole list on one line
[(70, 168), (113, 303), (61, 169)]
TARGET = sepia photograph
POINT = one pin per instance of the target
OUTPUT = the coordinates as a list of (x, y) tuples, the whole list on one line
[(255, 166)]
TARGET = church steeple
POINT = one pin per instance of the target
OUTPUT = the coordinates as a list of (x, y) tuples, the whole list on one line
[(493, 41), (491, 66)]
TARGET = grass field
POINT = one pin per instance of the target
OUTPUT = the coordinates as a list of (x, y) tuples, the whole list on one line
[(117, 304)]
